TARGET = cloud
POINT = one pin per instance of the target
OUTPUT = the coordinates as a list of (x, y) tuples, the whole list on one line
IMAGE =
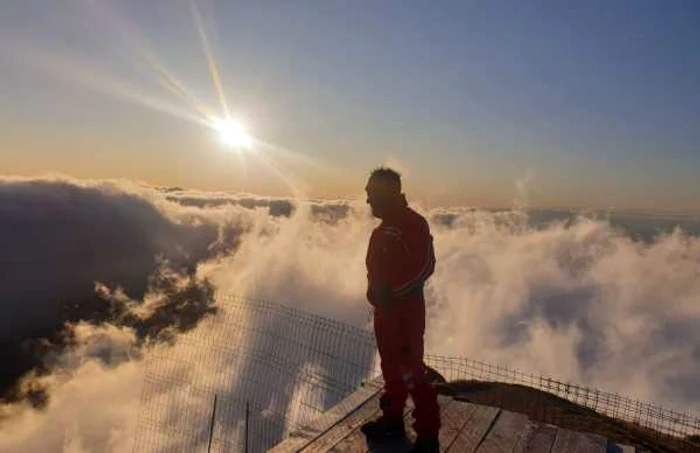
[(95, 394), (577, 299), (325, 209), (60, 237), (582, 302)]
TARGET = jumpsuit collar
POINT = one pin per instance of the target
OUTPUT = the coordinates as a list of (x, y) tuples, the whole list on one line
[(396, 212)]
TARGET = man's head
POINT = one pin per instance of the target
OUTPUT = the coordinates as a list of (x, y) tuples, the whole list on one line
[(383, 191)]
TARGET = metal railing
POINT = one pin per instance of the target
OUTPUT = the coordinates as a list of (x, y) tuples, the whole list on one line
[(634, 418), (290, 366)]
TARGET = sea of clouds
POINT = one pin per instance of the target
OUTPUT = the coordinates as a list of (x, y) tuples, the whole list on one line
[(93, 274)]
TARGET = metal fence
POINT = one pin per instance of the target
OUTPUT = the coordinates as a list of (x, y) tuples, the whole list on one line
[(290, 366), (639, 417)]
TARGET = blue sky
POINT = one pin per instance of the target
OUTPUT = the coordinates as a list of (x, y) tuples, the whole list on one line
[(581, 103)]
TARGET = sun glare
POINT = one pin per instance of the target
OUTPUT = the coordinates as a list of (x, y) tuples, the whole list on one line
[(233, 134)]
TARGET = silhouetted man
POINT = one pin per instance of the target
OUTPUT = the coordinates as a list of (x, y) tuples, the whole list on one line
[(400, 258)]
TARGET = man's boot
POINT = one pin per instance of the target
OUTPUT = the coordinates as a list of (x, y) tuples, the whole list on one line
[(426, 445), (384, 428)]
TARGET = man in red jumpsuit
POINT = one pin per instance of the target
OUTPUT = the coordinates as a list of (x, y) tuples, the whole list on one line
[(400, 258)]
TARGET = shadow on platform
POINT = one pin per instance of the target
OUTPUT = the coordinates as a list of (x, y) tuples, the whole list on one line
[(391, 446)]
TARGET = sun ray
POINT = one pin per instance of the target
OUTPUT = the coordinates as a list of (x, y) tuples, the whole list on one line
[(140, 55), (211, 58), (295, 184), (130, 37), (317, 164), (74, 70)]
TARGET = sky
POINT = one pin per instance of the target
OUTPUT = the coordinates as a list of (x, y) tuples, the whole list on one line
[(566, 104)]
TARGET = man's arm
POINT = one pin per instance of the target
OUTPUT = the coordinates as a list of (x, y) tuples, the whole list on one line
[(406, 261)]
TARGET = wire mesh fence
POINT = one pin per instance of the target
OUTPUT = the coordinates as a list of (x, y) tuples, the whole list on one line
[(620, 415), (290, 366)]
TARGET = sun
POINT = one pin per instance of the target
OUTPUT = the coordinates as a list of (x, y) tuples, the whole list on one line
[(233, 134)]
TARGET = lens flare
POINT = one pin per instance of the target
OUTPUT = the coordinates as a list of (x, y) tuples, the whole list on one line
[(233, 134)]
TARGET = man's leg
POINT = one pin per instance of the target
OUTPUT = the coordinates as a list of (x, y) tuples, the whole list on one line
[(427, 413), (387, 329), (393, 400)]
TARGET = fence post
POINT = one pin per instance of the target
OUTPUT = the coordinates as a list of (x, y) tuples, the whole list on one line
[(211, 425), (247, 421)]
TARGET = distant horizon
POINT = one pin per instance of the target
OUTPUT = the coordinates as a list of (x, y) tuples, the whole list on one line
[(634, 211)]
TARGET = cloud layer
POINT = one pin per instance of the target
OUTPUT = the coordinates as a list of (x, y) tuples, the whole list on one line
[(579, 300)]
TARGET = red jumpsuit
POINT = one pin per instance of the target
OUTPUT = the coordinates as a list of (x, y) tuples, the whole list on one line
[(400, 258)]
